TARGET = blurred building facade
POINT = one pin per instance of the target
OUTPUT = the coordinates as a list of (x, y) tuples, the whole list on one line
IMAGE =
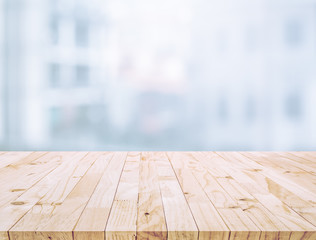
[(261, 58), (172, 75), (1, 73)]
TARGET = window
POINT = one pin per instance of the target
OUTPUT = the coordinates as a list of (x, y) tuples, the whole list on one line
[(56, 120), (54, 30), (250, 109), (69, 121), (293, 33), (293, 106), (82, 33), (223, 109), (55, 75), (82, 120), (82, 76)]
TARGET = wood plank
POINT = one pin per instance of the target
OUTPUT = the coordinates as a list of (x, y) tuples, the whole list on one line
[(297, 224), (303, 158), (285, 166), (123, 215), (310, 156), (303, 178), (233, 202), (15, 181), (4, 236), (92, 222), (151, 222), (179, 219), (47, 193), (20, 163), (300, 162), (10, 196), (12, 157), (57, 222), (158, 195), (58, 189), (302, 207), (281, 159), (207, 218), (294, 187)]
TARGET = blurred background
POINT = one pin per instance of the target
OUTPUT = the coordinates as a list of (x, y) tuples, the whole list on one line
[(158, 75)]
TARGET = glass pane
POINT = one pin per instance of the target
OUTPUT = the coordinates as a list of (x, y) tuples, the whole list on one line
[(157, 75)]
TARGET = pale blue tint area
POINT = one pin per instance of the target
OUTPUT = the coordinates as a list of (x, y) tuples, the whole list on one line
[(158, 75)]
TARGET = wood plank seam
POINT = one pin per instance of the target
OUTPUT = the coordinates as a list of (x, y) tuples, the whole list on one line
[(123, 216), (14, 163), (227, 194), (162, 204), (42, 196), (292, 232), (305, 158), (255, 204), (183, 194), (231, 231), (229, 179), (291, 206), (18, 195), (71, 190), (89, 197), (115, 193), (290, 162), (178, 225), (199, 230), (29, 189), (272, 172), (41, 178), (289, 183), (157, 195), (95, 216), (151, 223), (292, 158)]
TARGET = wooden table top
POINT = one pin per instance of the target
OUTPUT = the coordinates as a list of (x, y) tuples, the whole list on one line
[(157, 195)]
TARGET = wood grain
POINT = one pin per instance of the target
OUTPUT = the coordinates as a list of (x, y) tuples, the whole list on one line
[(30, 198), (207, 217), (151, 222), (9, 158), (179, 218), (56, 220), (239, 209), (157, 195), (123, 216), (96, 213)]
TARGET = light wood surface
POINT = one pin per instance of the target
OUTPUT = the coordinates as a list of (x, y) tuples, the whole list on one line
[(157, 195)]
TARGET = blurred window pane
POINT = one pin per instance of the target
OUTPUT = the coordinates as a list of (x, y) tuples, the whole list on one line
[(223, 109), (159, 75), (293, 32), (250, 109), (82, 33), (56, 121), (82, 122), (54, 30), (55, 75), (293, 106), (82, 75)]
